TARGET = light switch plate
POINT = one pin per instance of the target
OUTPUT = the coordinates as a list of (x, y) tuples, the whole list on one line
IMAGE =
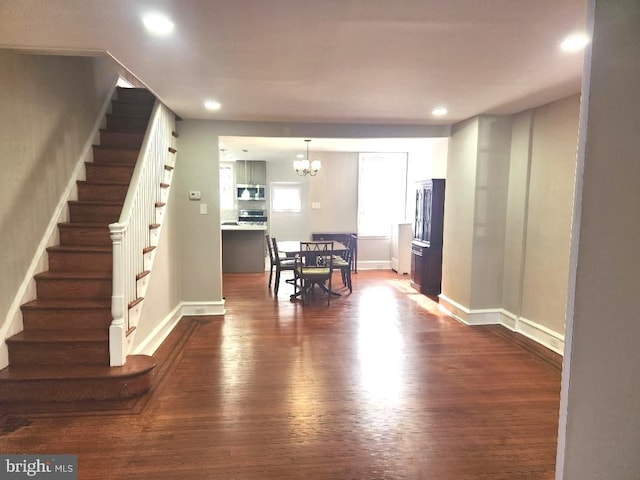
[(315, 205), (203, 209)]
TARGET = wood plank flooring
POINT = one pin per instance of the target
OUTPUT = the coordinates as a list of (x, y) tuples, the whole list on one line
[(380, 385)]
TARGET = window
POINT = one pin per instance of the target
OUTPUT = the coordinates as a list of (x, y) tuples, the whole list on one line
[(382, 183), (286, 197)]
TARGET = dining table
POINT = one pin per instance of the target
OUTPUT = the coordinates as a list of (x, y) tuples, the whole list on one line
[(291, 248)]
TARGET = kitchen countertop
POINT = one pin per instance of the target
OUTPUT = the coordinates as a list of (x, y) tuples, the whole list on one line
[(243, 227)]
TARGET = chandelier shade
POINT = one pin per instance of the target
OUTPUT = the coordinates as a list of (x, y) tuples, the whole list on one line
[(306, 166)]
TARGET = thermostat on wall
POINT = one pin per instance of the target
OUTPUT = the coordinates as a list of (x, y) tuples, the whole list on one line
[(194, 195)]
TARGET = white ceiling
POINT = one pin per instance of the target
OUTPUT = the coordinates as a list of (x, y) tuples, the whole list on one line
[(339, 61)]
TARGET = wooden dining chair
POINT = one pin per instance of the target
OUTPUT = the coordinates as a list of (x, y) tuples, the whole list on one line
[(344, 263), (314, 266), (280, 264)]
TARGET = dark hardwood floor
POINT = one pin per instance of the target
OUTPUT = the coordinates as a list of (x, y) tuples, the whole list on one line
[(379, 385)]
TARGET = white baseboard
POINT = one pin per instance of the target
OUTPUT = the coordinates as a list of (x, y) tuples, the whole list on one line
[(159, 334), (150, 344), (203, 308), (546, 337), (374, 265), (541, 334)]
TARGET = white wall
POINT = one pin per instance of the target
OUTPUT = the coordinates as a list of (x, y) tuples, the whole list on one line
[(600, 402)]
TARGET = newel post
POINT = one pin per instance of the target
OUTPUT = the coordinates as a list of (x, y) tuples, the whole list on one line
[(118, 328)]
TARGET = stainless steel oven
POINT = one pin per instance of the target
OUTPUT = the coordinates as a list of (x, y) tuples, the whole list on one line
[(252, 217)]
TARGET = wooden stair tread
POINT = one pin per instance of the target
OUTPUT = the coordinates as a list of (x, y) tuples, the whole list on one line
[(112, 163), (102, 184), (136, 115), (67, 304), (143, 274), (138, 133), (60, 336), (73, 275), (81, 225), (95, 202), (81, 249), (120, 149), (136, 365)]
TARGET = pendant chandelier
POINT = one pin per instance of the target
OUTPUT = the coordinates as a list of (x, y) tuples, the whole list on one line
[(306, 166)]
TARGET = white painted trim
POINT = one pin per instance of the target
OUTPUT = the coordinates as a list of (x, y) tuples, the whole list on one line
[(159, 334), (27, 291), (453, 309), (203, 308), (509, 320), (374, 265), (541, 334), (546, 337)]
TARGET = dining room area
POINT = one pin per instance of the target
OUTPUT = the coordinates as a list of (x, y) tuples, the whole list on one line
[(313, 263)]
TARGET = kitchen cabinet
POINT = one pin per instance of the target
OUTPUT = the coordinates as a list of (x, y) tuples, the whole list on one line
[(426, 246), (243, 248), (251, 172)]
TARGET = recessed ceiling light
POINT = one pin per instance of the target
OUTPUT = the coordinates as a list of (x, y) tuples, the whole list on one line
[(158, 24), (439, 111), (300, 155), (575, 42), (212, 105)]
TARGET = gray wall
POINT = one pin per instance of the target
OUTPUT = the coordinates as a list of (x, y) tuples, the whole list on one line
[(459, 210), (492, 174), (516, 213), (548, 225), (599, 409), (47, 117), (508, 207), (199, 242)]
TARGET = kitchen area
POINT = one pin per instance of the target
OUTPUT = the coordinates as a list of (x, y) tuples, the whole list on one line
[(243, 213)]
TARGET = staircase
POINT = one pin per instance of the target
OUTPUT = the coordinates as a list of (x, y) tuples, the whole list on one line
[(63, 352)]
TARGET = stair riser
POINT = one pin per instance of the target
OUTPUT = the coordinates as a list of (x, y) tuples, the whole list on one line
[(135, 96), (99, 173), (72, 288), (80, 319), (115, 155), (121, 139), (130, 108), (129, 123), (71, 390), (94, 214), (105, 193), (85, 236), (81, 262), (56, 353)]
